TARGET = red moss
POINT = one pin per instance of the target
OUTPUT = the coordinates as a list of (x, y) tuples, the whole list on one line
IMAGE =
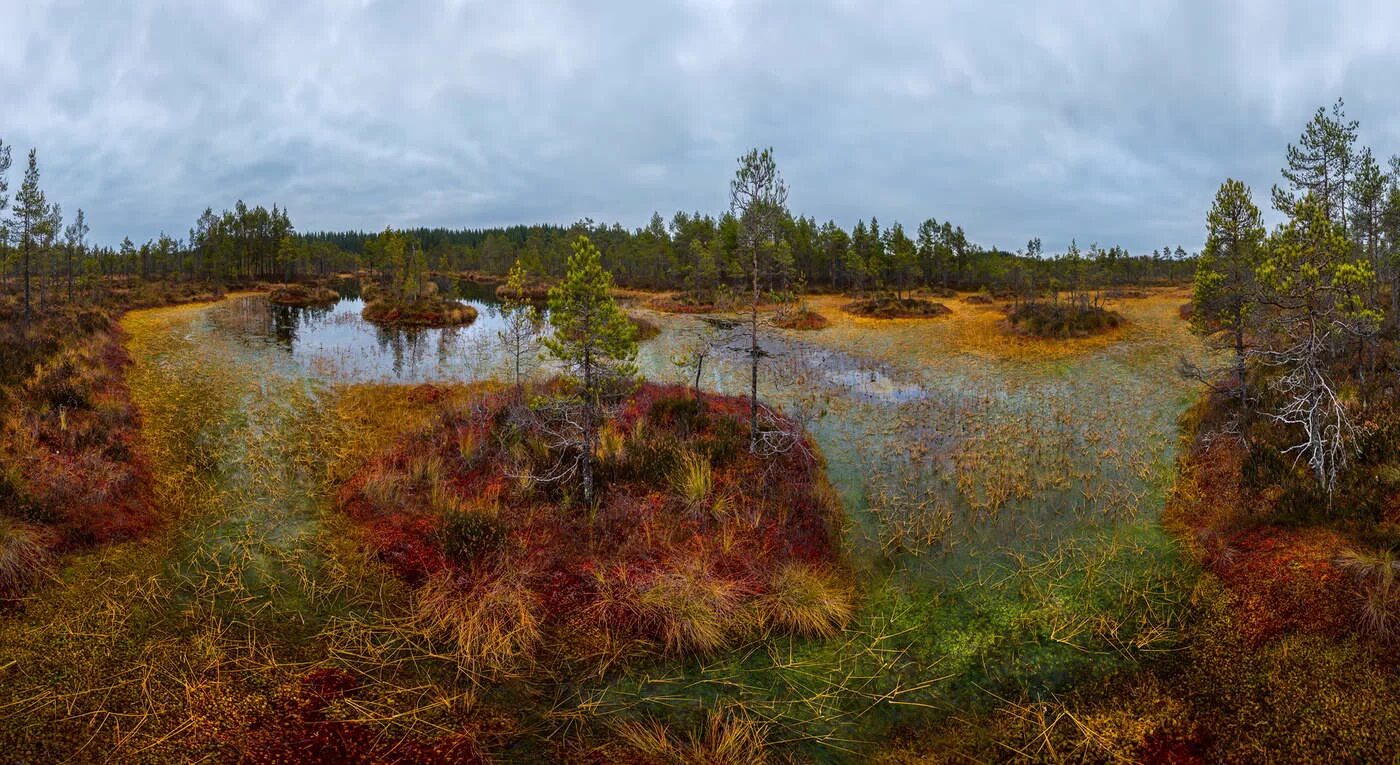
[(640, 528), (296, 729), (1285, 581), (72, 447)]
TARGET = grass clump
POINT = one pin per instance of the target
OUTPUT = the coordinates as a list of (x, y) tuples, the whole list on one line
[(694, 479), (693, 609), (24, 554), (492, 624), (808, 601), (728, 737)]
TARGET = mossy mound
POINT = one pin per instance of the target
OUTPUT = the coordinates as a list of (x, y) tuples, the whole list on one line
[(534, 293), (302, 295), (890, 307), (72, 473), (1062, 320), (693, 543), (804, 319), (686, 302), (427, 310)]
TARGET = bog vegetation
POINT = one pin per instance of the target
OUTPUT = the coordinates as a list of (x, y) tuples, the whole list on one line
[(1042, 521)]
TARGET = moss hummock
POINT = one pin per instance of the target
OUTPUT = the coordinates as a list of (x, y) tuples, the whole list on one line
[(694, 543)]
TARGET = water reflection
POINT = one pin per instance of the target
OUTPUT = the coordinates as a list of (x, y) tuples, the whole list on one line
[(334, 341)]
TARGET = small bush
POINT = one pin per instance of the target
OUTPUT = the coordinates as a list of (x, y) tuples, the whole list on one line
[(468, 535)]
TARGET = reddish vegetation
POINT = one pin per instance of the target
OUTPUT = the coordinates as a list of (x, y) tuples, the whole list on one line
[(295, 728), (70, 461), (588, 570), (1281, 579), (1284, 581)]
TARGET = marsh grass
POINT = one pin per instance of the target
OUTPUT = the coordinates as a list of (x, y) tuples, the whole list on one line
[(1039, 570)]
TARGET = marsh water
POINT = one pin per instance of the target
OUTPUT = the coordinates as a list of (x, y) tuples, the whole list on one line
[(1003, 511)]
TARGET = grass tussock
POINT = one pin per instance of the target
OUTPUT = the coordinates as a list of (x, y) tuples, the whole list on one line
[(492, 625), (24, 555), (808, 601), (728, 737)]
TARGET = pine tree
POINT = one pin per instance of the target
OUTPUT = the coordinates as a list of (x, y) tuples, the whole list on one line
[(30, 213), (520, 335), (1225, 295), (758, 199), (75, 245), (1320, 165), (1316, 293), (595, 341)]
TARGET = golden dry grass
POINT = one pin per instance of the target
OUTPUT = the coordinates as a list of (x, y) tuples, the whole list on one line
[(809, 601)]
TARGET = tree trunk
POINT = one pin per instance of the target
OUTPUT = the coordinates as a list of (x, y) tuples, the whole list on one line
[(28, 311), (1240, 381), (589, 427), (753, 358)]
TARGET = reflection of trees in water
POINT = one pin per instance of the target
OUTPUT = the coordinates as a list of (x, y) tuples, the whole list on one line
[(446, 340), (402, 344), (286, 320), (348, 289)]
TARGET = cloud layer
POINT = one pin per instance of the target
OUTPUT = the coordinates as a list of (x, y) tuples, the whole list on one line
[(1107, 122)]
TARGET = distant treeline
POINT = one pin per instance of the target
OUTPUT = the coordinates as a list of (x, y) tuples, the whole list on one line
[(49, 263), (694, 251)]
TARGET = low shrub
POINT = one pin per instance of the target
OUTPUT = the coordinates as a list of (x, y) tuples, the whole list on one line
[(646, 328), (469, 535), (801, 319)]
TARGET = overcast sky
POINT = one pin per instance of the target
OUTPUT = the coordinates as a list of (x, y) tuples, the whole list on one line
[(1110, 122)]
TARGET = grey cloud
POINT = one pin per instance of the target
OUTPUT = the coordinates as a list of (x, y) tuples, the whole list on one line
[(1107, 122)]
